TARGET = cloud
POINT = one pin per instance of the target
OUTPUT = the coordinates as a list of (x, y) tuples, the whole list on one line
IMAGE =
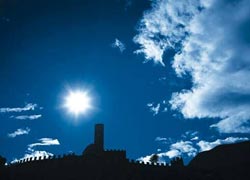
[(146, 159), (180, 148), (27, 107), (160, 139), (31, 152), (212, 42), (177, 149), (30, 117), (189, 134), (118, 44), (45, 142), (189, 148), (205, 145), (163, 27), (154, 109), (19, 132), (184, 147), (195, 138)]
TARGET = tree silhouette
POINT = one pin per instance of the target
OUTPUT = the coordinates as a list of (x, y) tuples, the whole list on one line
[(154, 158), (2, 161)]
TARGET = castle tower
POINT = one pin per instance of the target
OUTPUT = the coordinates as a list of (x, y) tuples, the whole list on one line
[(99, 136)]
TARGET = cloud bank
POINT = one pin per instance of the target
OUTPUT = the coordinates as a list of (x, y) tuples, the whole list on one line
[(212, 41), (189, 148)]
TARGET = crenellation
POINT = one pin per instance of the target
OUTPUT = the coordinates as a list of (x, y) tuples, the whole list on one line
[(115, 159)]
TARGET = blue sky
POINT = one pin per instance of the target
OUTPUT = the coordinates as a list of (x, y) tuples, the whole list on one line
[(165, 77)]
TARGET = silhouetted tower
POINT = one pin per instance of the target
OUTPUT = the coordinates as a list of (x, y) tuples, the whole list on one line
[(99, 136)]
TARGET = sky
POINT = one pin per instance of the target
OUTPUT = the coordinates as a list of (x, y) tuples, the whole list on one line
[(166, 77)]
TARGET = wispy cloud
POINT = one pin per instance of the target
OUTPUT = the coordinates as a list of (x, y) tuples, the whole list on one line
[(29, 117), (118, 44), (189, 134), (45, 142), (19, 132), (163, 27), (161, 139), (156, 108), (213, 51), (195, 138), (27, 107)]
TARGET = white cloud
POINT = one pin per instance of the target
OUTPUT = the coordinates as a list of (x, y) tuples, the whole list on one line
[(184, 147), (27, 107), (195, 138), (214, 48), (37, 154), (190, 147), (33, 154), (177, 149), (146, 159), (164, 26), (160, 139), (180, 148), (30, 117), (171, 153), (45, 142), (205, 145), (154, 109), (190, 134), (118, 44), (19, 132)]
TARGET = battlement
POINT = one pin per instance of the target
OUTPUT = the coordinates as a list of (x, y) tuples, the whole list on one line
[(42, 158), (141, 163), (115, 150)]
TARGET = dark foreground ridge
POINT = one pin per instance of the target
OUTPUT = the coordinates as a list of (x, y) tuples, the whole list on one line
[(224, 162)]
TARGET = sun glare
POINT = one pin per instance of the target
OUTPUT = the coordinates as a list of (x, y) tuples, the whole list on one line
[(78, 102)]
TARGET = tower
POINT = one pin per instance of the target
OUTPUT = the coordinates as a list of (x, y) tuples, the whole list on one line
[(99, 136)]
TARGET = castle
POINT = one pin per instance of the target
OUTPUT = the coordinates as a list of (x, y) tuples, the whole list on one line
[(95, 163)]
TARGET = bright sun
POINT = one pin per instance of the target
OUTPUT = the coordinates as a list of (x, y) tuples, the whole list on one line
[(78, 102)]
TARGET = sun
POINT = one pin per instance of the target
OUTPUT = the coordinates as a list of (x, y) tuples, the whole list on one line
[(78, 102)]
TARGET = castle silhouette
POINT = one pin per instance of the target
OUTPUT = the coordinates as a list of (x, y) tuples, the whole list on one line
[(96, 163)]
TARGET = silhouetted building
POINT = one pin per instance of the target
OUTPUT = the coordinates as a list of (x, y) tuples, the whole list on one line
[(99, 136), (96, 163)]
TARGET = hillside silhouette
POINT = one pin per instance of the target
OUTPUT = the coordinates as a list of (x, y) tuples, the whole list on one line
[(228, 161), (223, 162)]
